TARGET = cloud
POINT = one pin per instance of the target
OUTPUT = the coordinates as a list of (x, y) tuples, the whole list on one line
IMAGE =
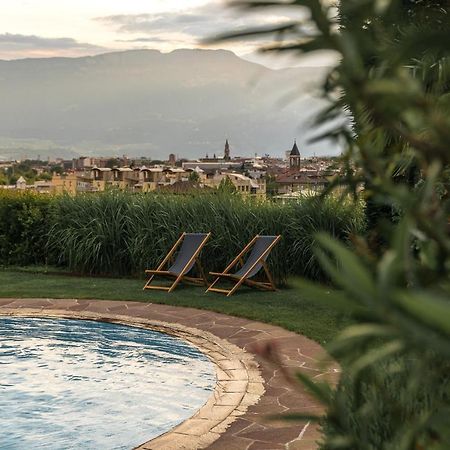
[(143, 39), (190, 26), (17, 45)]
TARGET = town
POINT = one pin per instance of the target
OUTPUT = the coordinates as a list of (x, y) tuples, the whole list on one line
[(257, 176)]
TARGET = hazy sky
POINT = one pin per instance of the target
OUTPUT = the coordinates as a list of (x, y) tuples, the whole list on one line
[(45, 28)]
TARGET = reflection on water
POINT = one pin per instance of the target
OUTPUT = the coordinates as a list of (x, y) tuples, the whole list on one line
[(68, 384)]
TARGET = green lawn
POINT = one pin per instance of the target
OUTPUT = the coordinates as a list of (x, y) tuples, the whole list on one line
[(288, 308)]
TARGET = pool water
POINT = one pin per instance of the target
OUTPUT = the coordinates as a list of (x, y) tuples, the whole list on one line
[(73, 384)]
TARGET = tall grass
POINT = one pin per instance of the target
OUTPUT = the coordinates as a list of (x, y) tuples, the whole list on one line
[(121, 233), (90, 234)]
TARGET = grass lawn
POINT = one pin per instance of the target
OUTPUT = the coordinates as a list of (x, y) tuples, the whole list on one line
[(288, 307)]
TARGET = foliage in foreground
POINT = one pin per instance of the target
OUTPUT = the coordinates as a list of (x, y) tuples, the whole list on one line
[(393, 76)]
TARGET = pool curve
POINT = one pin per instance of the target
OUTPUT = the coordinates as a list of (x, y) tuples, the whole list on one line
[(236, 370), (69, 384)]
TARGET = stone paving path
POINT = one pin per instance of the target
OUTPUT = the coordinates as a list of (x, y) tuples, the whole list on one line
[(252, 431)]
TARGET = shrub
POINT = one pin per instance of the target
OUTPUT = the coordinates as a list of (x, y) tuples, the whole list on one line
[(392, 72), (24, 219)]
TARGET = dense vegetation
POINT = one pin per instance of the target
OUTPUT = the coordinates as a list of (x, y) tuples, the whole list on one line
[(118, 233), (393, 74), (24, 226)]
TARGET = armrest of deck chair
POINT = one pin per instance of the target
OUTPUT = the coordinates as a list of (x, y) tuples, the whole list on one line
[(224, 275), (156, 271)]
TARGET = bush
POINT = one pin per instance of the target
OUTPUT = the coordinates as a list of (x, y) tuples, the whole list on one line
[(382, 409), (24, 224), (121, 233), (392, 74)]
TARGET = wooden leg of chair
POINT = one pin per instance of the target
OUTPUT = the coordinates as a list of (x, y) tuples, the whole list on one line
[(202, 272), (175, 283), (236, 287), (148, 282), (269, 276), (259, 285), (213, 284)]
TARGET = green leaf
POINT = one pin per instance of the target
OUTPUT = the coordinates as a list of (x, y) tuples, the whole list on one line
[(347, 343), (426, 307), (367, 331), (351, 274), (374, 356)]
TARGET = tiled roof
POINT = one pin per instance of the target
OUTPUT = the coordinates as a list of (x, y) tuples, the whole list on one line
[(300, 178)]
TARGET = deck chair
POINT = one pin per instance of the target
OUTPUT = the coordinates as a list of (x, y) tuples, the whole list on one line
[(187, 257), (262, 246)]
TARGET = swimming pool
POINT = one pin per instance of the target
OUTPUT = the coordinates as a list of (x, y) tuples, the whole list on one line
[(73, 384)]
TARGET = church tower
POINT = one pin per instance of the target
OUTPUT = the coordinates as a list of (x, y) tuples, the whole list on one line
[(226, 154), (294, 158)]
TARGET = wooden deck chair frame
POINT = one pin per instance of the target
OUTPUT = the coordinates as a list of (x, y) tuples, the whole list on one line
[(268, 285), (181, 276)]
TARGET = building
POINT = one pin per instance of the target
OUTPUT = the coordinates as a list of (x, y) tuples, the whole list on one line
[(21, 184), (150, 178), (100, 176), (70, 183), (227, 153), (123, 178), (172, 160), (295, 158), (243, 184), (291, 182), (212, 166)]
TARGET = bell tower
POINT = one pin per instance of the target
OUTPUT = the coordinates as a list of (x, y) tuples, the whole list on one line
[(294, 158), (226, 153)]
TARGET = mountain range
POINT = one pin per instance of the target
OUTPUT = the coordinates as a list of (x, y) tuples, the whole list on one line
[(147, 103)]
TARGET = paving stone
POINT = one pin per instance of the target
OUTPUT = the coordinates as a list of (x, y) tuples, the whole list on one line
[(243, 419), (197, 427), (236, 386), (228, 399), (272, 434), (258, 445), (230, 443)]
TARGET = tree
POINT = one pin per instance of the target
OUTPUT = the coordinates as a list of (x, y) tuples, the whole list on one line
[(56, 169), (393, 75), (194, 177), (226, 186), (112, 162), (271, 185)]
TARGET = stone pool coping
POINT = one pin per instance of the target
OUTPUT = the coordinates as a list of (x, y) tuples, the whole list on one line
[(248, 389)]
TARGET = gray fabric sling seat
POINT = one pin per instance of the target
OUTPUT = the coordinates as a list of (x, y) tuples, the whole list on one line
[(190, 245), (184, 262), (261, 247)]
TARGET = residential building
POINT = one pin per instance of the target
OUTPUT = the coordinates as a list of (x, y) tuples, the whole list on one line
[(70, 183), (298, 181), (243, 184)]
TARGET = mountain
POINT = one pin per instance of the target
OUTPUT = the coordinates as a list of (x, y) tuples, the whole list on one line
[(146, 103)]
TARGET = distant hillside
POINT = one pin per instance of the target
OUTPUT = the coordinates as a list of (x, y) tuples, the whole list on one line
[(152, 104)]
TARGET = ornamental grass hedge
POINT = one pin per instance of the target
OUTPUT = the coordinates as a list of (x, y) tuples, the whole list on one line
[(119, 233)]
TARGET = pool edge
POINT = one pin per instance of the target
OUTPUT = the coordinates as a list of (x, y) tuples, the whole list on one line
[(239, 380)]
